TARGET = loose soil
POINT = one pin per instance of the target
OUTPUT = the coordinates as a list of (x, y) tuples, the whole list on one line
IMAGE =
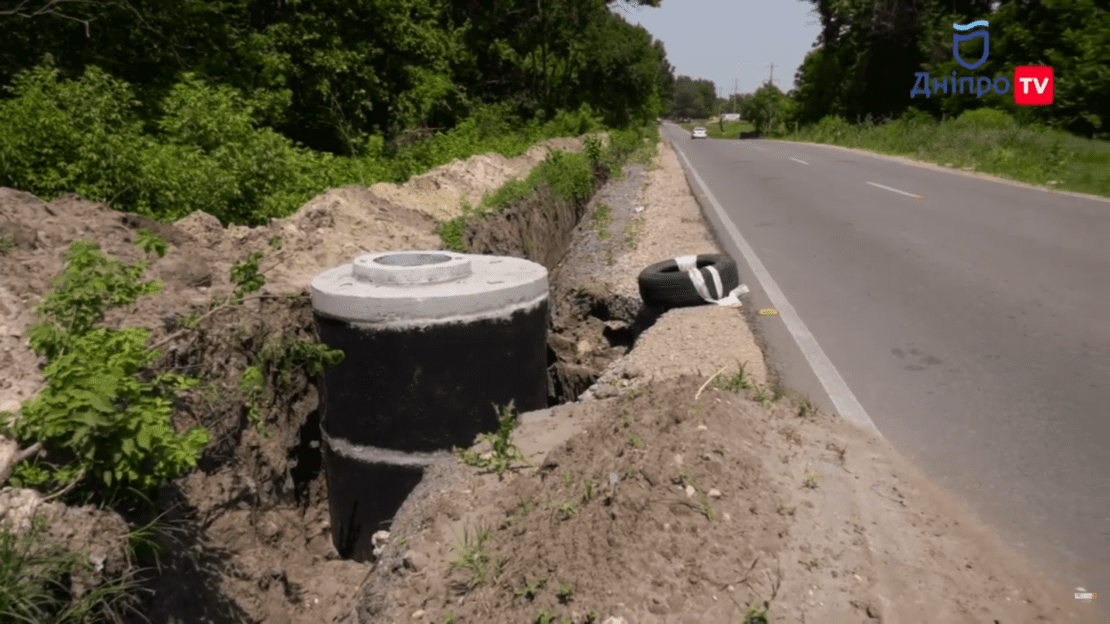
[(872, 541)]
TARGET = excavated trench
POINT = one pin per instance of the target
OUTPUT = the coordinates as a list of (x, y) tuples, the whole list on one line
[(589, 326), (268, 493)]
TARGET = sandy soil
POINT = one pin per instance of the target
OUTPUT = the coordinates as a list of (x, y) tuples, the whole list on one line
[(250, 532)]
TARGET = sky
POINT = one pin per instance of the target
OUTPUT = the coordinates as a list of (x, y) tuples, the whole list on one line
[(727, 40)]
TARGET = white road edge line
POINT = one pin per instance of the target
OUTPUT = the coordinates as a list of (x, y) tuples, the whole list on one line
[(887, 188), (841, 395), (797, 160)]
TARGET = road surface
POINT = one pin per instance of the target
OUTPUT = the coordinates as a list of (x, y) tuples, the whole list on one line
[(967, 319)]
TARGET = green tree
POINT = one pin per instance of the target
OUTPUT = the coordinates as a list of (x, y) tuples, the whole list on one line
[(769, 109)]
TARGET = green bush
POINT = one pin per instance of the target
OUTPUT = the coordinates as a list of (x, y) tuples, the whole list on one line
[(915, 117), (84, 136), (208, 150), (570, 175), (986, 118), (73, 136), (98, 417)]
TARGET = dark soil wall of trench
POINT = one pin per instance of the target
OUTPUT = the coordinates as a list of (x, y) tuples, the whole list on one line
[(541, 230)]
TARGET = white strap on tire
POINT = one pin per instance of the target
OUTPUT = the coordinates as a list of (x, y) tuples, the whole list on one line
[(689, 264)]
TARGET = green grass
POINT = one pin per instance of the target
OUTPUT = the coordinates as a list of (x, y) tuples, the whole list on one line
[(811, 480), (632, 232), (531, 588), (472, 553), (34, 581), (985, 140), (757, 613), (7, 243), (566, 590), (602, 217)]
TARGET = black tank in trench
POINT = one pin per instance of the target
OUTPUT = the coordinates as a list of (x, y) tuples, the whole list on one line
[(416, 390)]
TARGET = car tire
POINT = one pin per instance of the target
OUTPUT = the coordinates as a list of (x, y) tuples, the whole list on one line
[(663, 285)]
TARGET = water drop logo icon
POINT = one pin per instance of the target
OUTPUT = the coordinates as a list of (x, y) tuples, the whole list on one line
[(957, 38)]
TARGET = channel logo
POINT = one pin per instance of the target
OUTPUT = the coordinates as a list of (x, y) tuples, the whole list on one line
[(957, 39), (1033, 84)]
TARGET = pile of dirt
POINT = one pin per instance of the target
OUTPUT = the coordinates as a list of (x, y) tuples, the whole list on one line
[(670, 506), (440, 192), (248, 534)]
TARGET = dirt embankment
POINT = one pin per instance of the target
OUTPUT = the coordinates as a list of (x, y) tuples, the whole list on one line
[(697, 500), (248, 532)]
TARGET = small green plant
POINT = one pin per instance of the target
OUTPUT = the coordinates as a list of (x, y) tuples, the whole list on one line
[(252, 386), (603, 215), (609, 257), (591, 616), (592, 147), (7, 243), (626, 418), (632, 393), (451, 233), (246, 277), (523, 508), (757, 613), (448, 618), (191, 321), (685, 478), (786, 511), (734, 383), (568, 480), (34, 584), (632, 232), (472, 553), (588, 490), (810, 565), (761, 395), (96, 416), (811, 480), (545, 616), (806, 408), (531, 588), (778, 391), (150, 242), (635, 441), (706, 510), (566, 590), (503, 453), (565, 509)]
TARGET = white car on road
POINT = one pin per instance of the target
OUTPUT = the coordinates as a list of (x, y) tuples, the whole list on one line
[(699, 133)]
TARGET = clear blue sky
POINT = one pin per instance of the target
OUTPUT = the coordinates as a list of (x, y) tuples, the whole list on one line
[(724, 40)]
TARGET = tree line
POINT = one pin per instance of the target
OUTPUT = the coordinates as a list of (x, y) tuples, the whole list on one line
[(865, 61), (334, 74)]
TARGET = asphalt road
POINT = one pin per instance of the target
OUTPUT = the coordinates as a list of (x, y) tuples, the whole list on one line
[(968, 319)]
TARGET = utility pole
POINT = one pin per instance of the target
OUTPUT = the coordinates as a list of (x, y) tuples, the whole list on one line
[(772, 79), (735, 90)]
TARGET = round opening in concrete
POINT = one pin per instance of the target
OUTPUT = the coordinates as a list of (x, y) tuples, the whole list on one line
[(410, 268), (412, 259)]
